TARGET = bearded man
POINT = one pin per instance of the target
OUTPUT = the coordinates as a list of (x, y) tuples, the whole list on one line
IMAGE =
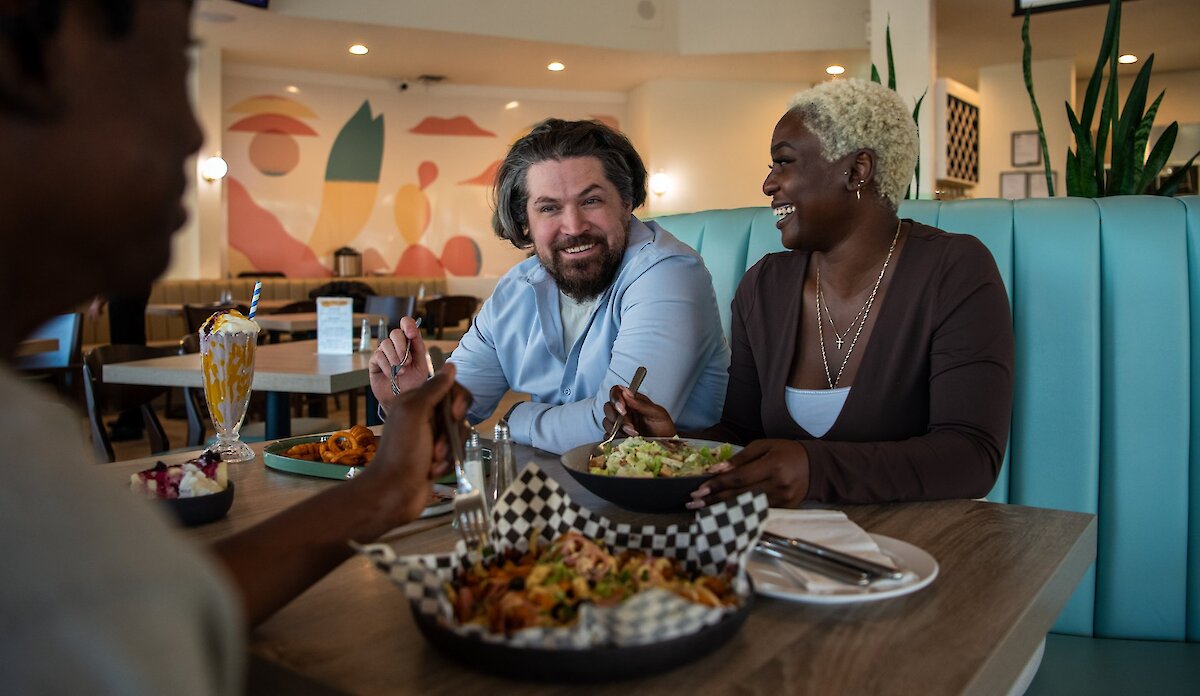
[(603, 294)]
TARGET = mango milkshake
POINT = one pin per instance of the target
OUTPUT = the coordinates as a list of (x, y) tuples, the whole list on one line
[(227, 345)]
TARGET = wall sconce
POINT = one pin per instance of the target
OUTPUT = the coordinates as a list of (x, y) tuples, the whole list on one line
[(660, 183), (214, 168)]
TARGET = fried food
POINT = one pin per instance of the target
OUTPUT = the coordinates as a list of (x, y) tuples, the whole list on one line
[(546, 587), (353, 447)]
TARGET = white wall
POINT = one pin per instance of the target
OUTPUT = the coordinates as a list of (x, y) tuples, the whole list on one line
[(913, 51), (1004, 109), (713, 139), (198, 249)]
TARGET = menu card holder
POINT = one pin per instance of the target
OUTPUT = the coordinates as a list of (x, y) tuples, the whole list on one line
[(335, 325)]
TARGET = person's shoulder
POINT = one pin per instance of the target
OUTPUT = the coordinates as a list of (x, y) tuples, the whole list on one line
[(948, 246), (653, 252), (775, 267)]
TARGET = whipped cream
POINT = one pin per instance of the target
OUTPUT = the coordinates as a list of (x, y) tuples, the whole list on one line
[(228, 322)]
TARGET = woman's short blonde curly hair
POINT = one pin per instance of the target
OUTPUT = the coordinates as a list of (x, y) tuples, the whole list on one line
[(849, 115)]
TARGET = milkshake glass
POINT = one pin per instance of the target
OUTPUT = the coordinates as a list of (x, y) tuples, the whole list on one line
[(227, 343)]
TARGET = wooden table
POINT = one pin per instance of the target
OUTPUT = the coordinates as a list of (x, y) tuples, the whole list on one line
[(279, 369), (36, 346), (1006, 572)]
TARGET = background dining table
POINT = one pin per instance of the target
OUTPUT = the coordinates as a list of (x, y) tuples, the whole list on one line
[(1005, 573), (280, 369)]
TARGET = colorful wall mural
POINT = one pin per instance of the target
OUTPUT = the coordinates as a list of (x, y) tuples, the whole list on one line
[(403, 178)]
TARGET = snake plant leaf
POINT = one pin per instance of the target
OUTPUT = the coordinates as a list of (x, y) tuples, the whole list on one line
[(1073, 178), (891, 64), (1171, 185), (1102, 129), (1111, 28), (1162, 149), (1085, 179), (1127, 162), (1027, 72), (875, 75), (917, 120), (1140, 138)]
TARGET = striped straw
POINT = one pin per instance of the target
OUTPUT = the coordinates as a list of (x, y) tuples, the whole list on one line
[(254, 300)]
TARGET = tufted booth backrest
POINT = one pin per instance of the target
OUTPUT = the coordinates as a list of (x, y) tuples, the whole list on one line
[(1106, 310)]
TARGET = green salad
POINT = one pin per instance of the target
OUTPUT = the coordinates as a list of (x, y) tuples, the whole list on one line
[(641, 458)]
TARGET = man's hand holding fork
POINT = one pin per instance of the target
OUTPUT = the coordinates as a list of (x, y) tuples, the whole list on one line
[(399, 363)]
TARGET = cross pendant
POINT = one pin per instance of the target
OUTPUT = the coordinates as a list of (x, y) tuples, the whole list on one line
[(840, 341)]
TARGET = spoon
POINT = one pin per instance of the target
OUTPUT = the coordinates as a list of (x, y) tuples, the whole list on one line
[(636, 382)]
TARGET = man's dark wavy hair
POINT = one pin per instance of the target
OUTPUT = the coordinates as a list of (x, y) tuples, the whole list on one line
[(27, 25), (556, 139)]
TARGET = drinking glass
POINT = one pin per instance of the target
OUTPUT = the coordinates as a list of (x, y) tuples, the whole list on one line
[(227, 361)]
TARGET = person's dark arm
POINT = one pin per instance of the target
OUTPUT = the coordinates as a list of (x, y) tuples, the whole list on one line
[(276, 560)]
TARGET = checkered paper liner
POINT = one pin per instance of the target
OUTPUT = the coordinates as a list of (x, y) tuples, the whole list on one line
[(719, 535)]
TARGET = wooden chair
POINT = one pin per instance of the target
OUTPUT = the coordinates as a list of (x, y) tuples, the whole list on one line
[(449, 311), (60, 366), (393, 307), (104, 398)]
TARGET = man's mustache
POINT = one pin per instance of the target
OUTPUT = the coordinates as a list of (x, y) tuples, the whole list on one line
[(577, 241)]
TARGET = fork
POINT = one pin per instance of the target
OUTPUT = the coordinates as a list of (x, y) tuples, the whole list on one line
[(403, 361), (634, 384), (469, 508)]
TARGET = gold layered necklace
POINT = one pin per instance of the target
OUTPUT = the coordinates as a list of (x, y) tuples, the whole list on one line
[(860, 319)]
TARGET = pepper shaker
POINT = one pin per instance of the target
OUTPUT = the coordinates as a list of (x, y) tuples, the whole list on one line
[(504, 469), (382, 332)]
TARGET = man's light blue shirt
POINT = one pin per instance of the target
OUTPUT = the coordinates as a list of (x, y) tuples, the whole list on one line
[(660, 311)]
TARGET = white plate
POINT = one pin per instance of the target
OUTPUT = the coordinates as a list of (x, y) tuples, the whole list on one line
[(440, 508), (771, 581)]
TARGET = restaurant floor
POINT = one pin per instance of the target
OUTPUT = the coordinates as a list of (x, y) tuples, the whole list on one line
[(176, 428)]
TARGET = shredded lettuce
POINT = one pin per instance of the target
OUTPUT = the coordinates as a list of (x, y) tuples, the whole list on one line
[(641, 458)]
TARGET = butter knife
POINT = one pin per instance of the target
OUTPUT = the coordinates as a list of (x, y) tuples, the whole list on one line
[(815, 564), (873, 570)]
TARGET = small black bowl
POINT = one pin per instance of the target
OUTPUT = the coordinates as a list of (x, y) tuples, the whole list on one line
[(202, 509), (637, 494)]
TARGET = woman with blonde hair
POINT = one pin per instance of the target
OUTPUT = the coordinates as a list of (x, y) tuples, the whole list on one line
[(872, 361)]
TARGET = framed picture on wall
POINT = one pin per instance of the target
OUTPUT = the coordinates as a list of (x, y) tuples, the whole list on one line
[(1037, 184), (1026, 149), (1014, 185)]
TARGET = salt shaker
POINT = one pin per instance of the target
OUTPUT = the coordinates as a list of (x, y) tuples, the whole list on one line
[(473, 461), (504, 470), (364, 336), (382, 331)]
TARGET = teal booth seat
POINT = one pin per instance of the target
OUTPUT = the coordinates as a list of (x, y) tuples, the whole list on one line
[(1105, 296)]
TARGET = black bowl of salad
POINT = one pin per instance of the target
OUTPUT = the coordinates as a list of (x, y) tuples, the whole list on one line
[(647, 474)]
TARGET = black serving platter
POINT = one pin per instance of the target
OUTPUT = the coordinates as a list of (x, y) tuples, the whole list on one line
[(637, 494), (583, 666)]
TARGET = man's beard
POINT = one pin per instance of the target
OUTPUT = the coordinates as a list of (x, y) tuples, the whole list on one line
[(587, 279)]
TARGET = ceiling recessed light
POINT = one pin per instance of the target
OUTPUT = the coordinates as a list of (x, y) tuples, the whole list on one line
[(1127, 58), (512, 105), (358, 50), (556, 67), (292, 89), (835, 70)]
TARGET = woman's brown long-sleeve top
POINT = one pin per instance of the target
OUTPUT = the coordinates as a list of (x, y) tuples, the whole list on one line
[(928, 413)]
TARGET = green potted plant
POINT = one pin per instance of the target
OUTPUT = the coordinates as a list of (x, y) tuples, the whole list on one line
[(1131, 170)]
